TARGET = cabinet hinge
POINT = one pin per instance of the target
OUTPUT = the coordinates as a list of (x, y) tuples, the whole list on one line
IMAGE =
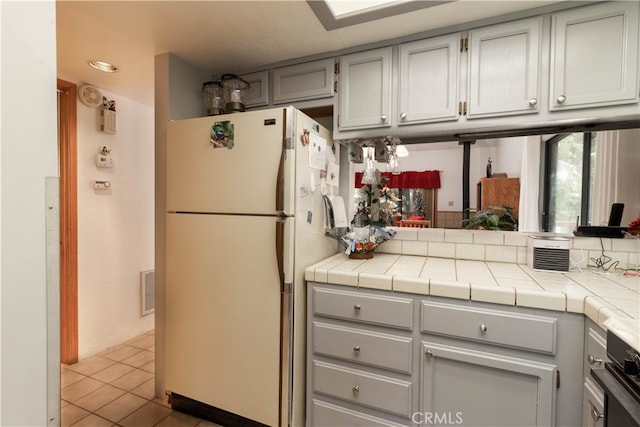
[(558, 379), (336, 68), (335, 87), (464, 44)]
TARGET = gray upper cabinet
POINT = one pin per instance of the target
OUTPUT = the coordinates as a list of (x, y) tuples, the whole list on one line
[(310, 80), (365, 89), (594, 57), (258, 93), (428, 80), (504, 69)]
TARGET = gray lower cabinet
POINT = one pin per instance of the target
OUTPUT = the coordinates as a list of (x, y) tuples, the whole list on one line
[(481, 388), (361, 358), (595, 355), (382, 358)]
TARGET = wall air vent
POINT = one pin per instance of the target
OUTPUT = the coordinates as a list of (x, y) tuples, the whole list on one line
[(148, 291)]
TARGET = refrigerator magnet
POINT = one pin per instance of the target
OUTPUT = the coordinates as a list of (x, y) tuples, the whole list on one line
[(305, 137), (222, 135)]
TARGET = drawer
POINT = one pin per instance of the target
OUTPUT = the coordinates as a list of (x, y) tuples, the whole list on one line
[(364, 388), (595, 353), (361, 346), (537, 333), (327, 415), (367, 308)]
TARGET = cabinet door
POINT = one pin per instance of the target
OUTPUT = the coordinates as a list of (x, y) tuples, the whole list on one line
[(428, 79), (364, 91), (258, 93), (484, 389), (504, 63), (592, 404), (594, 58), (299, 82)]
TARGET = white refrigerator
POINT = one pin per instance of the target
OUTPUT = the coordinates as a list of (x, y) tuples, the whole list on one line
[(244, 220)]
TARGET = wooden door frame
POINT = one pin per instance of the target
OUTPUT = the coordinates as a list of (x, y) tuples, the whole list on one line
[(67, 137)]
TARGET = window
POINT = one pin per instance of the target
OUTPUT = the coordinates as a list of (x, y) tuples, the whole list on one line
[(569, 181)]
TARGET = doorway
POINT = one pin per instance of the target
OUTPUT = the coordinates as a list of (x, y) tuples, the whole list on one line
[(67, 149)]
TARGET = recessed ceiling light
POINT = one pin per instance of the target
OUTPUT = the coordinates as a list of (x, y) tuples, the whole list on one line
[(103, 66)]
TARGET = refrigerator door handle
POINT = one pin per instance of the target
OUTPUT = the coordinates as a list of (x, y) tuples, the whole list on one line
[(280, 181), (280, 249)]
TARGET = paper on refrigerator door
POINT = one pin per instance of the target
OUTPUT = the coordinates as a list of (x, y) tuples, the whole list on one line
[(317, 152), (339, 214)]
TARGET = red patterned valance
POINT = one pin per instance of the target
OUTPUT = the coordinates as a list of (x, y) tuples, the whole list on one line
[(426, 179)]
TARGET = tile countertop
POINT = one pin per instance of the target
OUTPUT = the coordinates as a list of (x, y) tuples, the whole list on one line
[(610, 299)]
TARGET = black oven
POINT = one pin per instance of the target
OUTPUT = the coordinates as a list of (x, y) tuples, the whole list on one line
[(620, 381)]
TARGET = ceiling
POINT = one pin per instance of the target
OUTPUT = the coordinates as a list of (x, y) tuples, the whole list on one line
[(226, 36)]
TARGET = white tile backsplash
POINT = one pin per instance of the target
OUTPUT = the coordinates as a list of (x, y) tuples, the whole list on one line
[(414, 248), (488, 237), (442, 250), (470, 251), (431, 234), (508, 254), (458, 236)]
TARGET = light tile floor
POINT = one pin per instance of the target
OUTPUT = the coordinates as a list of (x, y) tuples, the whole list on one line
[(116, 388)]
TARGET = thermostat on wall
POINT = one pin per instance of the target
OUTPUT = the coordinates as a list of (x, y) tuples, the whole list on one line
[(104, 159)]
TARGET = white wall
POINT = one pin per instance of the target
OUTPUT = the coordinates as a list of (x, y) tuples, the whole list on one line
[(115, 227), (28, 154)]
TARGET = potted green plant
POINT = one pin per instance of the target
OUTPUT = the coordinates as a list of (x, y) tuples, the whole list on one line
[(492, 218)]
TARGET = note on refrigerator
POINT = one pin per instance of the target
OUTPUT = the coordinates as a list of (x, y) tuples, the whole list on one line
[(317, 152)]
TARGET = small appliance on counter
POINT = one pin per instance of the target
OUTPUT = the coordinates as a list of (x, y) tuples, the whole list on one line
[(549, 253)]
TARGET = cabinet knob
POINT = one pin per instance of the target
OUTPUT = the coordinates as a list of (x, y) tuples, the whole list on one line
[(356, 307), (595, 415), (428, 354), (383, 118), (403, 115), (356, 349), (483, 328), (356, 389), (561, 99), (533, 102), (593, 360)]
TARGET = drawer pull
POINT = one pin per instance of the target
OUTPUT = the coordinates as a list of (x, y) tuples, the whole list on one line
[(483, 328), (356, 389), (356, 307), (356, 349), (595, 415), (428, 354), (593, 360)]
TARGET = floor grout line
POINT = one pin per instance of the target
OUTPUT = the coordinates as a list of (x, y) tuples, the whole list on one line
[(147, 411)]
